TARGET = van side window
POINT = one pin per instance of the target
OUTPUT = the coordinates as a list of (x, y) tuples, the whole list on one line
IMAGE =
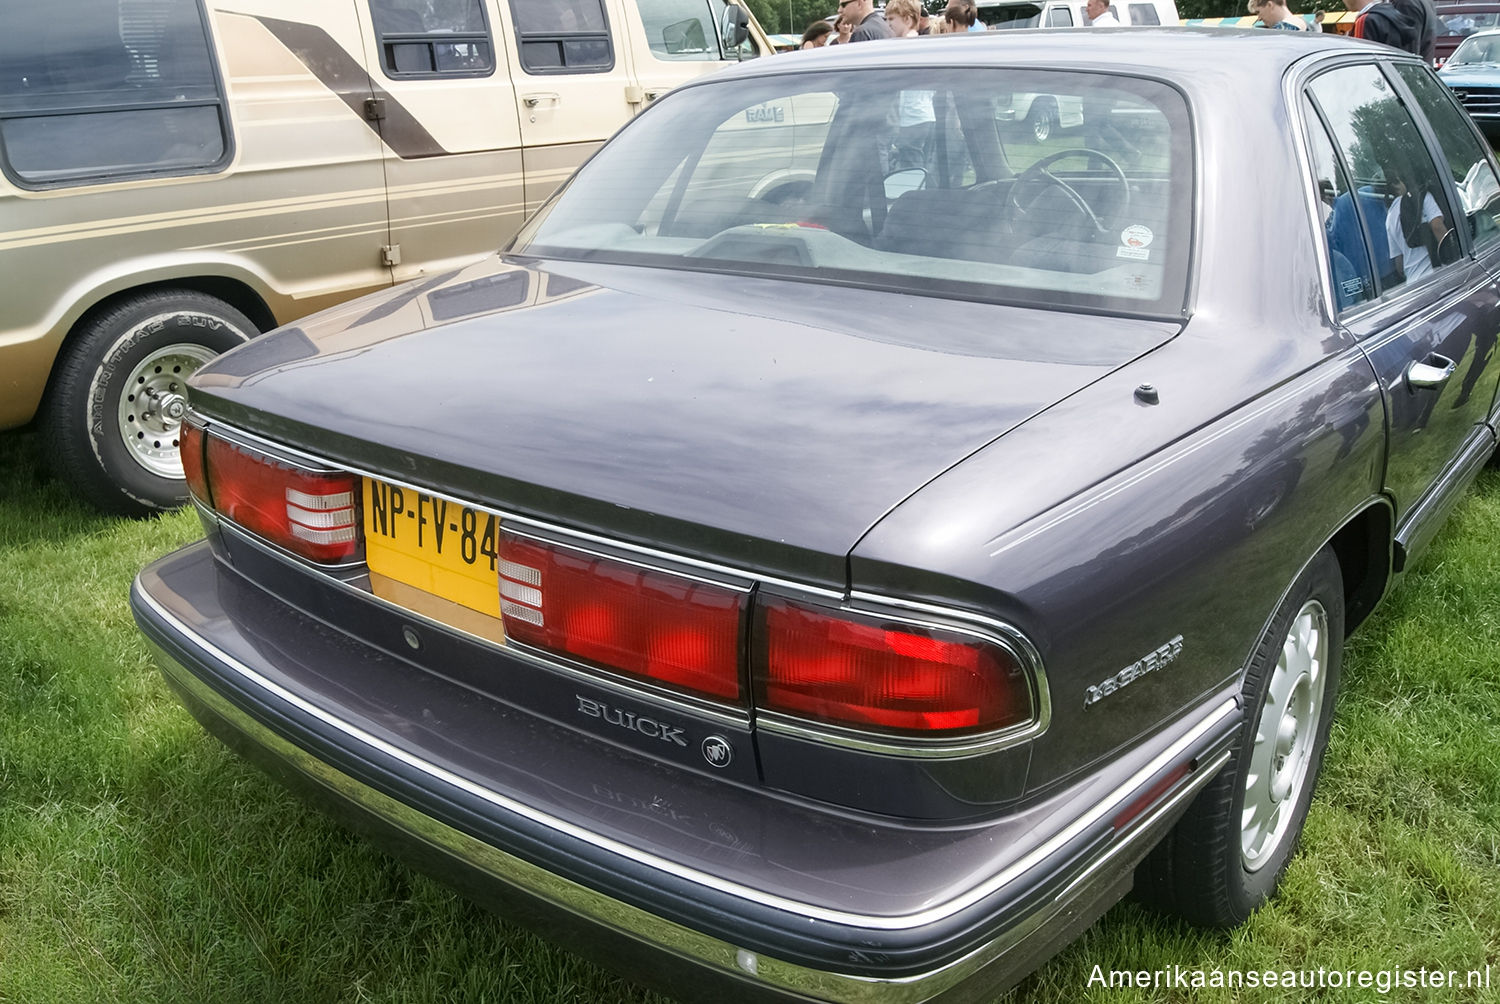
[(680, 29), (421, 39), (563, 36), (1059, 17), (1143, 13), (106, 89)]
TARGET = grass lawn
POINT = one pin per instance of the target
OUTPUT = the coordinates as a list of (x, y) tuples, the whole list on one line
[(139, 861)]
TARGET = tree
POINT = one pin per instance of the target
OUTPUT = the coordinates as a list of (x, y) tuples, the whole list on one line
[(790, 17)]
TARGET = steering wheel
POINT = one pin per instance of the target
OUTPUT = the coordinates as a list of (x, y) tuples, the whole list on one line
[(1038, 175)]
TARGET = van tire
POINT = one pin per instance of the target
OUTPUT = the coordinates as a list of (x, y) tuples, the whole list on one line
[(109, 423)]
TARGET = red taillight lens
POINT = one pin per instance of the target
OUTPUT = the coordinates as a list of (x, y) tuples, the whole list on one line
[(865, 671), (191, 439), (315, 515), (645, 622)]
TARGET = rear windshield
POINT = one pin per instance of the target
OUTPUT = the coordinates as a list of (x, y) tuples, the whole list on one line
[(1466, 22), (1046, 188)]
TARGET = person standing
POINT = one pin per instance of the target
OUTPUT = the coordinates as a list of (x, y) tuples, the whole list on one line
[(960, 16), (1276, 15), (816, 35), (1101, 15), (912, 145), (1408, 24), (902, 17), (868, 24), (1317, 24)]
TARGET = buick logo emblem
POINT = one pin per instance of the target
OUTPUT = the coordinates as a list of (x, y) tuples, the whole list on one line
[(717, 751)]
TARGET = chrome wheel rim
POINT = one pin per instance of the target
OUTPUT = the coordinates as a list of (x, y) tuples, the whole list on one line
[(1281, 757), (152, 404), (1041, 127)]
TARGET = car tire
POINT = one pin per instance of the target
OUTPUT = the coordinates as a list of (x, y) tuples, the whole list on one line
[(1040, 122), (1226, 855), (109, 423)]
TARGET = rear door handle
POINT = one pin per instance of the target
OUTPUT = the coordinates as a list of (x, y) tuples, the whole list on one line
[(532, 100), (1433, 371)]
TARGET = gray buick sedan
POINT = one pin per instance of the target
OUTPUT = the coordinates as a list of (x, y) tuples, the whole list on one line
[(844, 543)]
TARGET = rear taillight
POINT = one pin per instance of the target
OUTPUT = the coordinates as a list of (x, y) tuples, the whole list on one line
[(310, 513), (191, 439), (864, 671), (666, 628)]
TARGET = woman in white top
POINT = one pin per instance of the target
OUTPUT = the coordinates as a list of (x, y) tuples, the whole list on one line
[(1414, 226)]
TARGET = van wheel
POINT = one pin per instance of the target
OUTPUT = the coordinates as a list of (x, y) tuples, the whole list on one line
[(1040, 121), (1230, 849), (118, 394)]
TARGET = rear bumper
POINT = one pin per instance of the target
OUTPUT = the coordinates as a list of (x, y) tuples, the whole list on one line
[(663, 920)]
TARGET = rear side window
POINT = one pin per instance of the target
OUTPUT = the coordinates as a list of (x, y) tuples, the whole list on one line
[(562, 36), (1143, 13), (93, 90), (1058, 17), (1350, 251), (422, 39)]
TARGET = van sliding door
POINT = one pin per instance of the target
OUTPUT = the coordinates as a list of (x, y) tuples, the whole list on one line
[(446, 111), (574, 84)]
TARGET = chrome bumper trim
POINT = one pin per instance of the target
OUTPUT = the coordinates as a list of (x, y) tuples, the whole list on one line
[(665, 935)]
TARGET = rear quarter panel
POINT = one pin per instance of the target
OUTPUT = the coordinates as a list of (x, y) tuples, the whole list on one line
[(1101, 565)]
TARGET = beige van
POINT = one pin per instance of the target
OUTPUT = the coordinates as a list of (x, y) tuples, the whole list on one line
[(179, 175)]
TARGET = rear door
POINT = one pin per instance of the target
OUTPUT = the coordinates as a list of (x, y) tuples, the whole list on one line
[(1424, 310)]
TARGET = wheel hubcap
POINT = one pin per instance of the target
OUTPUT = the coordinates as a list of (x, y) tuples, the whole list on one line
[(153, 404), (1282, 753)]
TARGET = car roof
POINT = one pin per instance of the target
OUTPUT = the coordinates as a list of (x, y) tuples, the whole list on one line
[(1176, 54)]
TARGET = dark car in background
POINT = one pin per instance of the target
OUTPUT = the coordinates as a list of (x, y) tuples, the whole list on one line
[(779, 578), (1457, 21)]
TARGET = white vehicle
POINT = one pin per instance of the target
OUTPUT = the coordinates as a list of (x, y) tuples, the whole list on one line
[(1043, 114), (177, 176), (1004, 14)]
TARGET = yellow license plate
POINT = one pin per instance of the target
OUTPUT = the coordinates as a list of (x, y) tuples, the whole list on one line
[(434, 556)]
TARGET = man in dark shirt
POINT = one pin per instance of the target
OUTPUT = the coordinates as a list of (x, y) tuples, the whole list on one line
[(1404, 24), (867, 23)]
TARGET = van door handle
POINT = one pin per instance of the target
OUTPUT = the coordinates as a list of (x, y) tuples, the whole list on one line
[(1433, 371), (532, 100)]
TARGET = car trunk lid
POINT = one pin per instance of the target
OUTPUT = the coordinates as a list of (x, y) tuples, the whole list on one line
[(758, 423)]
